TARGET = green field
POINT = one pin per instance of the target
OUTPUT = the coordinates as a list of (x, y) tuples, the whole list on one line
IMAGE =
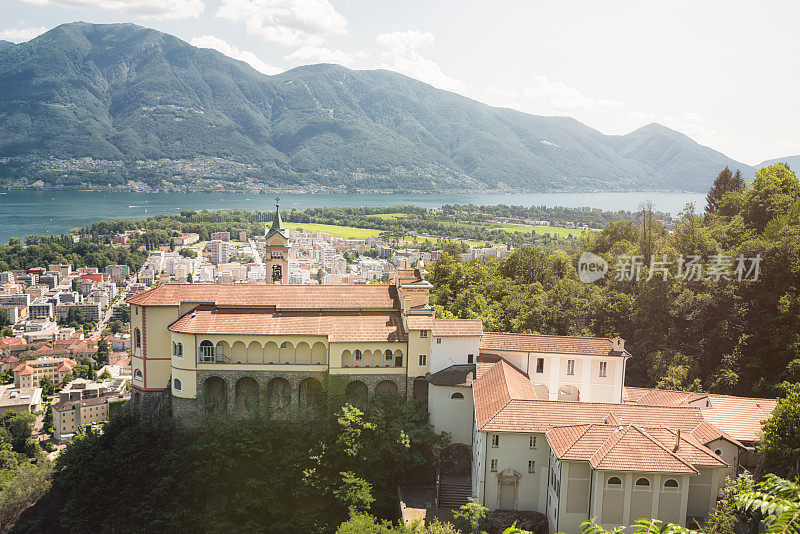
[(552, 230), (335, 230)]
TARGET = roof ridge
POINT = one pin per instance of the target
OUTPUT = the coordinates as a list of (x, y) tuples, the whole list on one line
[(586, 428), (665, 448), (548, 335), (618, 433)]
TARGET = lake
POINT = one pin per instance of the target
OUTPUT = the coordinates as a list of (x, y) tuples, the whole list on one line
[(25, 213)]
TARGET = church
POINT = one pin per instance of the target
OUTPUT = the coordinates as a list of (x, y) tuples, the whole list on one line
[(550, 422)]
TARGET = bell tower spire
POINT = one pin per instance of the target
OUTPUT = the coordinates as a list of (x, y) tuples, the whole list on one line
[(276, 250)]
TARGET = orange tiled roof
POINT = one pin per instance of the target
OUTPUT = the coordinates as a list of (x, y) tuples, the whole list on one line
[(734, 418), (740, 417), (505, 402), (595, 346), (409, 276), (457, 327), (617, 448), (420, 322), (337, 326), (288, 297)]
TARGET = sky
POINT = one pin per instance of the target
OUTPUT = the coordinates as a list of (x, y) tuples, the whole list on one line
[(726, 73)]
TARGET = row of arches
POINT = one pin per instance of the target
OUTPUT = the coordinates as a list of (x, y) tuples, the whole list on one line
[(270, 352), (247, 396), (565, 393), (642, 483)]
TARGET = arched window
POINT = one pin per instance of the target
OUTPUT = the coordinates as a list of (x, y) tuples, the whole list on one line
[(643, 482), (614, 481), (138, 374), (176, 384), (285, 345), (137, 339), (358, 355), (671, 483), (456, 396), (388, 355), (177, 349), (207, 352), (718, 452)]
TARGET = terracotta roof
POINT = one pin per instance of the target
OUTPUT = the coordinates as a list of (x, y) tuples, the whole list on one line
[(337, 326), (457, 327), (594, 346), (409, 276), (505, 402), (287, 297), (420, 322), (455, 375), (736, 419), (664, 397), (617, 448), (739, 417)]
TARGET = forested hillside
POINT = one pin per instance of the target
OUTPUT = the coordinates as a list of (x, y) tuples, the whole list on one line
[(712, 333), (148, 110)]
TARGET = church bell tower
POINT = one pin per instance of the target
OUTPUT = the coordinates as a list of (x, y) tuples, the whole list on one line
[(276, 252)]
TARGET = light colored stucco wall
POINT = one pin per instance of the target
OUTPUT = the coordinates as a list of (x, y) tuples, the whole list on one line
[(453, 416), (418, 345), (447, 351), (514, 452), (730, 454)]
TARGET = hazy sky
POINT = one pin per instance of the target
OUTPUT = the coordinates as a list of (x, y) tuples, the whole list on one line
[(725, 73)]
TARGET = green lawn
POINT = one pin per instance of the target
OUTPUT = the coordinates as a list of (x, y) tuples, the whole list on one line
[(552, 230), (335, 230)]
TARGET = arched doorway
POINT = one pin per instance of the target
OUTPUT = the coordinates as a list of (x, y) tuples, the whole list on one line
[(356, 394), (216, 397), (310, 397), (248, 397), (386, 387), (569, 393), (279, 392), (420, 388)]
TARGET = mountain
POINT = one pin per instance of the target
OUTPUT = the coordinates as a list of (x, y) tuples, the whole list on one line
[(150, 108), (793, 161)]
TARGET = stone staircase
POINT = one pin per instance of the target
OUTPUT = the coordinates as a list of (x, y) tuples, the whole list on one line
[(454, 493)]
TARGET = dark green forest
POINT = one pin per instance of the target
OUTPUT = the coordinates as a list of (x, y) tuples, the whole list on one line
[(249, 475)]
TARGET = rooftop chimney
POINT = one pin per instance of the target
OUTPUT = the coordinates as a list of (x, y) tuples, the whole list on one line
[(617, 344), (677, 441)]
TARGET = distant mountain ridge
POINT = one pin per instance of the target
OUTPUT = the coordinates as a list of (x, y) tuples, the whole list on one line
[(134, 97)]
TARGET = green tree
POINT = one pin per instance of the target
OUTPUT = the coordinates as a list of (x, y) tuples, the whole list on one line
[(116, 326), (48, 388), (471, 516), (726, 182), (101, 356), (776, 501), (773, 193), (779, 443), (5, 320), (188, 252), (105, 375)]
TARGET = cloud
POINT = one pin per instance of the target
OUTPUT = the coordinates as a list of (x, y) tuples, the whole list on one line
[(222, 46), (287, 22), (315, 54), (146, 9), (19, 35), (546, 97), (401, 55), (688, 123)]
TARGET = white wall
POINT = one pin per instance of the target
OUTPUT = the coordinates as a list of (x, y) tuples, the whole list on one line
[(451, 415), (453, 351), (514, 452), (592, 387)]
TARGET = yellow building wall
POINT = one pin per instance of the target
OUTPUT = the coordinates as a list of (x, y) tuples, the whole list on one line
[(514, 452), (418, 345)]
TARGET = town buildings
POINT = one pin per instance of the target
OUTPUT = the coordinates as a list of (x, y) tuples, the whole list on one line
[(30, 372), (27, 399)]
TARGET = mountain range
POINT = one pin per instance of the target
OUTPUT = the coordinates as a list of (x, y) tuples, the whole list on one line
[(110, 105)]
